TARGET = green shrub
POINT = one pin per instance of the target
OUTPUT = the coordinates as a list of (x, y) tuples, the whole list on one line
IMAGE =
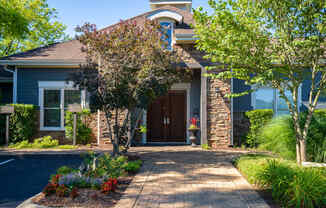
[(279, 137), (132, 166), (22, 123), (83, 132), (21, 145), (45, 142), (65, 170), (257, 119), (290, 185)]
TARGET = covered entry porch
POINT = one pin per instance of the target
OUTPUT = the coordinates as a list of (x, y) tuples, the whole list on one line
[(168, 118)]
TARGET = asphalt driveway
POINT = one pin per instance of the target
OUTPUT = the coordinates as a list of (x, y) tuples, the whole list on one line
[(24, 176)]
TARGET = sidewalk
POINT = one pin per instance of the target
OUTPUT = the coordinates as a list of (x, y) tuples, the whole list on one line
[(184, 177)]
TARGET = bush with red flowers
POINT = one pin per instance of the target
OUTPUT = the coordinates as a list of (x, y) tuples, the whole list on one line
[(74, 193), (62, 191), (49, 189), (55, 179), (109, 185)]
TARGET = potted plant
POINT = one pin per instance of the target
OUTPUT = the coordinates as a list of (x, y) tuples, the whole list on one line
[(193, 129)]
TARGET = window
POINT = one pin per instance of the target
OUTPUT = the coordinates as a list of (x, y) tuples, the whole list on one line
[(167, 29), (269, 98), (54, 98)]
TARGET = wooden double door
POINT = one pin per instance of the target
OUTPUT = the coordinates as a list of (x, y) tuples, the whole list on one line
[(166, 118)]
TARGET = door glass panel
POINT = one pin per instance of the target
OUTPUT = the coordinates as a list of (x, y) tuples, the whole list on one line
[(72, 96), (52, 98), (264, 98), (52, 117)]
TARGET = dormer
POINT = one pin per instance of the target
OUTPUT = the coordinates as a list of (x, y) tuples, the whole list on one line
[(181, 4)]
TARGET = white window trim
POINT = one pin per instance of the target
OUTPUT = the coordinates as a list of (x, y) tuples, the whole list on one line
[(275, 98), (56, 85), (166, 13)]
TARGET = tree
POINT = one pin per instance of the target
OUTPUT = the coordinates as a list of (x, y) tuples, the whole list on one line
[(269, 43), (127, 67), (12, 21), (28, 24)]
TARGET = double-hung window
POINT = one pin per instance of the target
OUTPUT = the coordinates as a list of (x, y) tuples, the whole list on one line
[(54, 98)]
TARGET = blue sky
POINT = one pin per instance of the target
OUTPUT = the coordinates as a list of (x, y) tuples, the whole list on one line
[(102, 12)]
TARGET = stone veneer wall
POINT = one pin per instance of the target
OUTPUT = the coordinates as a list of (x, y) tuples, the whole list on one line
[(104, 130), (218, 113)]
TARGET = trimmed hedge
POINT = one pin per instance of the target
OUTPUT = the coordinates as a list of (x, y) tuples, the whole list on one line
[(84, 133), (22, 123), (257, 119)]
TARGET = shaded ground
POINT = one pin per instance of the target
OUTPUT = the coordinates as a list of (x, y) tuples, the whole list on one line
[(189, 177), (26, 175)]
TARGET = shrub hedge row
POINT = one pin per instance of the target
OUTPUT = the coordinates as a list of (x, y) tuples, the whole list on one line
[(23, 123), (257, 119)]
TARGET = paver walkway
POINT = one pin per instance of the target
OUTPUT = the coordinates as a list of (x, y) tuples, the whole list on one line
[(184, 177)]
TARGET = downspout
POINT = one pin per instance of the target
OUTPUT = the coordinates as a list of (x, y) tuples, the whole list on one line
[(14, 72), (232, 126)]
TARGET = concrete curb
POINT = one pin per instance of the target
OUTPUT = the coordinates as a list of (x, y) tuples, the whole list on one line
[(49, 152)]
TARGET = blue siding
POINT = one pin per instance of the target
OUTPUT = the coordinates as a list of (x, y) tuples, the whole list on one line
[(243, 103), (5, 93), (27, 82)]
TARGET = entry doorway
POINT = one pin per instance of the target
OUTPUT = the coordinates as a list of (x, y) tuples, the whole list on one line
[(167, 118)]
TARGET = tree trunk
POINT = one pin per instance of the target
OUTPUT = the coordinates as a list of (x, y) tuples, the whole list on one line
[(116, 134), (303, 153), (298, 151)]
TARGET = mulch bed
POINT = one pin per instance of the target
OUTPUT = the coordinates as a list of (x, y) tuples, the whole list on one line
[(89, 198)]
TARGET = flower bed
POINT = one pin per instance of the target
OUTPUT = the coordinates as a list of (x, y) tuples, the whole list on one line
[(99, 182)]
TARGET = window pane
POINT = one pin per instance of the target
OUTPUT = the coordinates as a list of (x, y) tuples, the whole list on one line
[(52, 98), (52, 117), (264, 98), (72, 96), (167, 30)]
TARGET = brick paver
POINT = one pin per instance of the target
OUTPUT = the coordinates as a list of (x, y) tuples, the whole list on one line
[(184, 177)]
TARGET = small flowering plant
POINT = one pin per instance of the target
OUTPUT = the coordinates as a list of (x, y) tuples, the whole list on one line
[(193, 123), (109, 186)]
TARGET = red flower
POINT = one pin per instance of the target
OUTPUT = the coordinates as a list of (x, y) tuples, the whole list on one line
[(109, 185)]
